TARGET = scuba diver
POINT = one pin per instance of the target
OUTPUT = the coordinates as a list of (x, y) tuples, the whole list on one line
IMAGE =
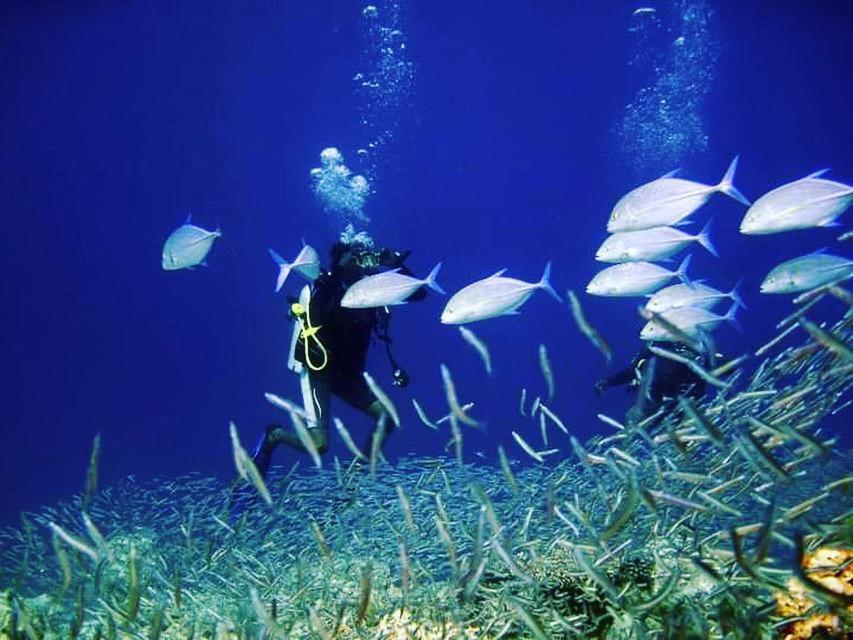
[(658, 381), (329, 347)]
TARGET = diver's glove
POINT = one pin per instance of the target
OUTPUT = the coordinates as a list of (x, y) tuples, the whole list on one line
[(600, 387)]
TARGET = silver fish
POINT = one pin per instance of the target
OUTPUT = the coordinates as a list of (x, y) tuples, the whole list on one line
[(471, 338), (693, 321), (306, 262), (634, 278), (698, 295), (492, 297), (187, 246), (668, 200), (807, 272), (387, 288), (650, 245), (804, 203)]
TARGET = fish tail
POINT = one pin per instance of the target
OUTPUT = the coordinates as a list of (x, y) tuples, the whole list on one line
[(284, 269), (730, 316), (734, 295), (431, 281), (545, 283), (727, 184), (704, 238), (681, 272)]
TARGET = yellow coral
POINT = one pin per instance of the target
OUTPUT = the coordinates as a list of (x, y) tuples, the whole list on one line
[(822, 566)]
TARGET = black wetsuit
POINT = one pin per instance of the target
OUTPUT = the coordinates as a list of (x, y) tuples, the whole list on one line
[(346, 333), (670, 379)]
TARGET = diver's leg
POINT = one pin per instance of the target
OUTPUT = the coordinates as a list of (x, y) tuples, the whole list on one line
[(315, 401)]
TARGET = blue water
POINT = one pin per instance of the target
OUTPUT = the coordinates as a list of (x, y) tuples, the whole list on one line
[(118, 119)]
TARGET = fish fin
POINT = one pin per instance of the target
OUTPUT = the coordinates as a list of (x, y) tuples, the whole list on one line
[(829, 222), (498, 274), (681, 272), (431, 280), (189, 219), (670, 174), (816, 174), (203, 263), (704, 238), (727, 184), (734, 295), (283, 269), (682, 223), (545, 283), (730, 316)]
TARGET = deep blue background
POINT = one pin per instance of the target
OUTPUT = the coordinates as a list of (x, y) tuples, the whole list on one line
[(117, 118)]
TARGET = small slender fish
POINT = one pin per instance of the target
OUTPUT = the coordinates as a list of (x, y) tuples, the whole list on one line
[(694, 366), (347, 438), (587, 329), (465, 409), (507, 471), (560, 425), (73, 542), (92, 472), (527, 619), (422, 415), (452, 399), (246, 467), (306, 440), (829, 340), (444, 535), (677, 501), (405, 571), (383, 398), (406, 507), (480, 346), (514, 569), (527, 448), (365, 587), (534, 407), (522, 402), (545, 365)]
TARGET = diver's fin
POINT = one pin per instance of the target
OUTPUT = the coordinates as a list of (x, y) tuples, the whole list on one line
[(727, 184), (431, 282), (704, 238), (545, 283)]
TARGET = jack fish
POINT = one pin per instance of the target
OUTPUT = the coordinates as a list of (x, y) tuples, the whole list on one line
[(493, 296), (187, 246), (306, 262), (634, 279), (692, 321), (650, 245), (807, 272), (804, 203), (701, 295), (387, 289), (668, 200)]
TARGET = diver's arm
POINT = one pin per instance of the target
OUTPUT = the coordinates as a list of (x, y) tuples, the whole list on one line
[(626, 376)]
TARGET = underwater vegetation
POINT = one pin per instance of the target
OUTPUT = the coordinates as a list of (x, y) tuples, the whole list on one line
[(728, 517)]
